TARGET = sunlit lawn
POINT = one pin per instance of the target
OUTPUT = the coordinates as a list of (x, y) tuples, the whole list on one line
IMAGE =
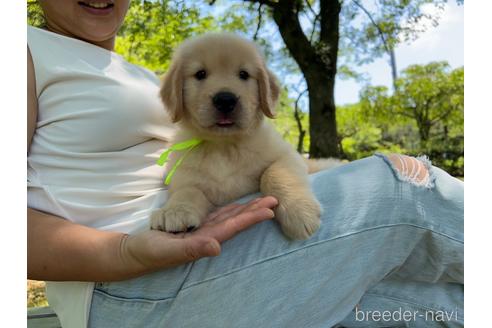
[(36, 293)]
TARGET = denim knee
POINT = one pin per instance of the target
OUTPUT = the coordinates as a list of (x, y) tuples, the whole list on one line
[(414, 170), (378, 191)]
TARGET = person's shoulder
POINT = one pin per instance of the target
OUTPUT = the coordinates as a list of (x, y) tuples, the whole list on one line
[(149, 74), (42, 39), (31, 28), (33, 31)]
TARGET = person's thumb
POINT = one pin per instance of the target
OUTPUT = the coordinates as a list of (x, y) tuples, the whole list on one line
[(195, 247)]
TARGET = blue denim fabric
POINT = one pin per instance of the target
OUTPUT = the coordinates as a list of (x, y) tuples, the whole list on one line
[(384, 245)]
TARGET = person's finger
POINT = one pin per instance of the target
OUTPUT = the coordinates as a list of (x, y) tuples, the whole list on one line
[(263, 202), (191, 248), (231, 212), (266, 202), (212, 216), (228, 228)]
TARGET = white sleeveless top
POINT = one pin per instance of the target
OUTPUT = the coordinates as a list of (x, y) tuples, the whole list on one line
[(101, 127)]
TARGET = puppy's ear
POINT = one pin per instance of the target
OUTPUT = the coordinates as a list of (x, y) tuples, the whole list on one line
[(269, 91), (172, 91)]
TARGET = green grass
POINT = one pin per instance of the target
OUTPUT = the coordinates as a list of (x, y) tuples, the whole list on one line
[(36, 294)]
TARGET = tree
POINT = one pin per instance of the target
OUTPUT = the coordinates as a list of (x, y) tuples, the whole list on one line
[(293, 130), (35, 15), (311, 33), (432, 98), (361, 135), (380, 25), (153, 29)]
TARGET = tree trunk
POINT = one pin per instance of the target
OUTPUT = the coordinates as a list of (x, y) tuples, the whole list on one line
[(297, 117), (424, 133), (389, 49), (318, 63), (322, 117), (394, 71)]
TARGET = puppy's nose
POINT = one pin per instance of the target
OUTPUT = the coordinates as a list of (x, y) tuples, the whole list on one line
[(224, 102)]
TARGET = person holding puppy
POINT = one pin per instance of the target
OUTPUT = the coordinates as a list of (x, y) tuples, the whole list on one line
[(391, 234)]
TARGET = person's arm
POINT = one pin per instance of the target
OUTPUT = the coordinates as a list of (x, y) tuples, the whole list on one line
[(56, 248), (59, 250)]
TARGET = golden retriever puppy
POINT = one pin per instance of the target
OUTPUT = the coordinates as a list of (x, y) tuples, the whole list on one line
[(218, 90)]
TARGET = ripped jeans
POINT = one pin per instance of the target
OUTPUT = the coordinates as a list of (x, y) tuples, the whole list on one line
[(389, 253)]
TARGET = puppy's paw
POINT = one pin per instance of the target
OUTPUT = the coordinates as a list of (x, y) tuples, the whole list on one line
[(299, 218), (175, 218)]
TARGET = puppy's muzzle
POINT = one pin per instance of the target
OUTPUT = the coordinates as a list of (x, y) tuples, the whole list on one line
[(225, 102)]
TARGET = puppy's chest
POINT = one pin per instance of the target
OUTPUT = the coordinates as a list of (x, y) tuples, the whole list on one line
[(226, 176)]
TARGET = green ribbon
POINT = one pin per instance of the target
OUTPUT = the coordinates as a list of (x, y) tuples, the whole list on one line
[(187, 144)]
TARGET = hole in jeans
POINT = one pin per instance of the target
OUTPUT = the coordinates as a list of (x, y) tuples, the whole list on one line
[(410, 169)]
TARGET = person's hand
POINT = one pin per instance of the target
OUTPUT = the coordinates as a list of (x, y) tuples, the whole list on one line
[(153, 250)]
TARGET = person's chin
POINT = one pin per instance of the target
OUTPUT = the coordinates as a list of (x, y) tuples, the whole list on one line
[(99, 34)]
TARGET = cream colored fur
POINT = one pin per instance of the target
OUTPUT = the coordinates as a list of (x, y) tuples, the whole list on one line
[(233, 161)]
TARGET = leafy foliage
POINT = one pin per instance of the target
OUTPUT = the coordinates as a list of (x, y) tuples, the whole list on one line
[(152, 29), (362, 135), (429, 102), (35, 15), (287, 126)]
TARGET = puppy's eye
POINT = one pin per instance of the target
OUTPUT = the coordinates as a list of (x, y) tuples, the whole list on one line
[(243, 75), (201, 74)]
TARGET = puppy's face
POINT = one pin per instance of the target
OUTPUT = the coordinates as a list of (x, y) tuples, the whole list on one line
[(218, 85)]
